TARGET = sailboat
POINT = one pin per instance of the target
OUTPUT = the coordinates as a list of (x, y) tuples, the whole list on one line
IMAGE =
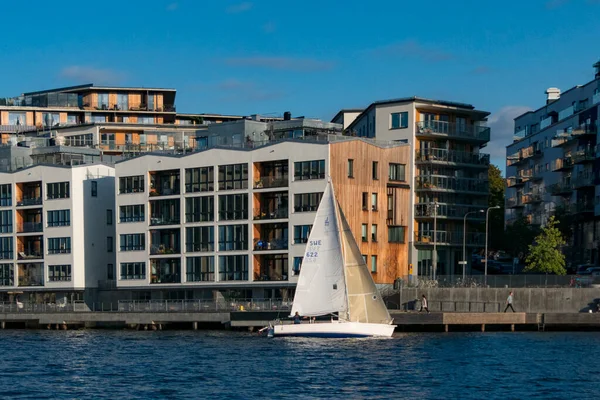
[(334, 279)]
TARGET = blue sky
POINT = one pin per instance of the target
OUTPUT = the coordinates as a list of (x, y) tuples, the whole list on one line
[(309, 57)]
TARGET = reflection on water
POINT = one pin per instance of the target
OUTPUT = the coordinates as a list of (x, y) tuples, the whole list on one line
[(220, 364)]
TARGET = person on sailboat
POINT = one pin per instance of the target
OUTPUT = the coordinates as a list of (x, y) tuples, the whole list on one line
[(297, 318), (424, 305)]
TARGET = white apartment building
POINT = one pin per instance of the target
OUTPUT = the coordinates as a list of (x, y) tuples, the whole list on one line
[(56, 231)]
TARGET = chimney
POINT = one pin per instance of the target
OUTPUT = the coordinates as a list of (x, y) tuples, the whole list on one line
[(597, 68), (287, 116), (552, 94)]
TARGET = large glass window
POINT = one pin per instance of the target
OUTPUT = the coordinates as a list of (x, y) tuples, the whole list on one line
[(233, 207), (233, 237), (304, 202), (6, 248), (301, 233), (234, 176), (6, 195), (145, 120), (396, 234), (199, 209), (59, 245), (199, 179), (51, 119), (133, 213), (17, 118), (103, 101), (399, 120), (58, 190), (304, 170), (59, 218), (200, 269), (6, 221), (80, 140), (122, 101), (397, 172), (297, 266), (7, 275), (131, 184), (135, 270), (133, 242), (233, 268), (59, 273), (199, 238)]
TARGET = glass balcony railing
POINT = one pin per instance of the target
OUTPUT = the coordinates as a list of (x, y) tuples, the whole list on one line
[(30, 255), (562, 164), (583, 180), (449, 238), (29, 279), (270, 213), (532, 198), (562, 188), (514, 202), (451, 157), (452, 130), (26, 227), (33, 201), (514, 181), (270, 244), (450, 211), (583, 156), (265, 182), (447, 183)]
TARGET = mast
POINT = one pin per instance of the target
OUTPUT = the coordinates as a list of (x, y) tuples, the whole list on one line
[(342, 247)]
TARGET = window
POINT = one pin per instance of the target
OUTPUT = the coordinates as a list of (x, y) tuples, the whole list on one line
[(50, 119), (94, 189), (374, 232), (234, 176), (199, 179), (375, 170), (307, 201), (199, 209), (80, 140), (233, 268), (305, 170), (135, 270), (397, 172), (297, 266), (399, 120), (6, 248), (365, 201), (350, 168), (233, 237), (233, 206), (58, 218), (133, 242), (374, 264), (133, 213), (301, 233), (110, 272), (199, 238), (59, 190), (109, 244), (59, 273), (17, 118), (364, 233), (122, 101), (98, 118), (374, 201), (59, 245), (6, 224), (145, 120), (396, 234), (103, 101), (6, 195), (131, 184), (200, 269), (109, 217), (7, 275)]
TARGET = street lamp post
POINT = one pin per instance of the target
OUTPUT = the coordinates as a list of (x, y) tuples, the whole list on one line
[(434, 256), (464, 260), (487, 214)]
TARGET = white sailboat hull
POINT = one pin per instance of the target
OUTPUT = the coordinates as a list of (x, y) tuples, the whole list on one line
[(335, 329)]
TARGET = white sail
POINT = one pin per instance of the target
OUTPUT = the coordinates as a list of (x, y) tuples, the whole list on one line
[(321, 288), (364, 301)]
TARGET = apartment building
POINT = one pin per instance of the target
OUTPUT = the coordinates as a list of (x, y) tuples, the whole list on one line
[(57, 228), (238, 218), (448, 173), (553, 163)]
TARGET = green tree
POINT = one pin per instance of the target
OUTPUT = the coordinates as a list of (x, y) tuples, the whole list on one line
[(496, 198), (545, 253), (519, 236), (497, 186)]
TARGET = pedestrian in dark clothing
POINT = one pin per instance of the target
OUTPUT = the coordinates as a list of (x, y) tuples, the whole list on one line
[(509, 302), (424, 304)]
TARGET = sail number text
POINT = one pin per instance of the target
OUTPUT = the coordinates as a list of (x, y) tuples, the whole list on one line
[(312, 251)]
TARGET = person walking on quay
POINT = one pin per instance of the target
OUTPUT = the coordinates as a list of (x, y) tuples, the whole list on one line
[(509, 302), (424, 304)]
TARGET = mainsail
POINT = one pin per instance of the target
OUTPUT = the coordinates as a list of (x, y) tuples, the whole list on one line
[(321, 288)]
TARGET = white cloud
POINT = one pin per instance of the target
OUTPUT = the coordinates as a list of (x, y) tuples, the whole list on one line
[(86, 74), (502, 127)]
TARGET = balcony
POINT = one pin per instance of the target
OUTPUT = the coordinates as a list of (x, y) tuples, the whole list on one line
[(583, 207), (515, 202), (562, 164), (584, 180), (451, 157), (564, 188), (29, 194), (271, 237), (519, 135), (450, 238), (17, 128), (165, 241), (572, 134), (165, 212), (30, 247), (271, 174), (436, 129), (31, 274), (29, 227), (165, 270), (596, 99), (449, 211), (271, 267), (534, 219), (272, 205), (451, 184), (584, 156), (165, 183), (533, 198), (514, 181)]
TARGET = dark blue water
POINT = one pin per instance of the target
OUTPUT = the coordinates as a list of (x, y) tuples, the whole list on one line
[(125, 364)]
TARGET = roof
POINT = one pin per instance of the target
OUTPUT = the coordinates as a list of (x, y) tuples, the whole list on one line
[(46, 165), (412, 99), (90, 86), (347, 110), (130, 125)]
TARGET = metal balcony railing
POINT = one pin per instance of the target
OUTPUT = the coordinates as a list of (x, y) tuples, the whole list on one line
[(451, 211), (447, 183), (452, 130), (450, 238), (451, 156)]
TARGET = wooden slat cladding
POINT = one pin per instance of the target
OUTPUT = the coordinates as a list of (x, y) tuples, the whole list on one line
[(392, 258)]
